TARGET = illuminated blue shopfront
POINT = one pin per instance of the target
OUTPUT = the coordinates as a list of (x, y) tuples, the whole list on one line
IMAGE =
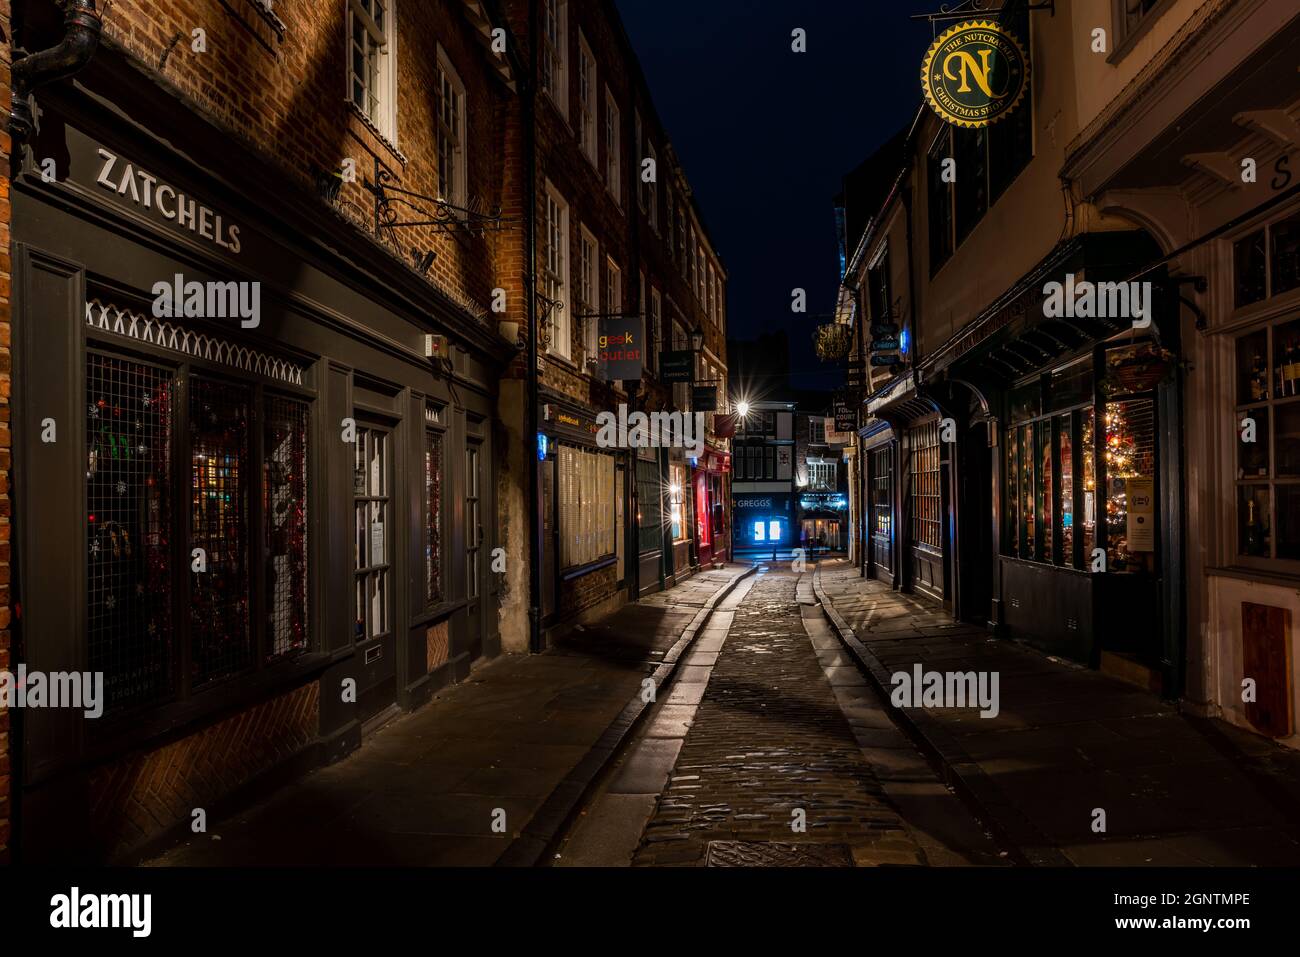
[(764, 520)]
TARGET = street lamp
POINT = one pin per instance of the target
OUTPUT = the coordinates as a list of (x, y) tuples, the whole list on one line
[(697, 340), (743, 408)]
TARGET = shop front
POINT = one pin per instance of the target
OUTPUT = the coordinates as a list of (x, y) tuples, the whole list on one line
[(711, 493), (823, 522), (876, 495), (765, 522), (243, 493), (1083, 471), (584, 507)]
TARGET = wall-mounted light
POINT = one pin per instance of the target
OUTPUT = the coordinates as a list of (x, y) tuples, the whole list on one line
[(697, 341), (743, 408)]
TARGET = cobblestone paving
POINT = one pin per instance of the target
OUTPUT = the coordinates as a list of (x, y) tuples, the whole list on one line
[(770, 738)]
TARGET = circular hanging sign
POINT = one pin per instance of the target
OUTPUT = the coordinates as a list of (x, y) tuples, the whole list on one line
[(975, 73)]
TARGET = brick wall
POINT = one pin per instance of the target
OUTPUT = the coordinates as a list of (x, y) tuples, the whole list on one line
[(140, 795), (5, 445), (289, 102)]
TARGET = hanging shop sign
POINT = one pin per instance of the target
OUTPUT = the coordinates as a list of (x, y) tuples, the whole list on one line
[(846, 418), (1141, 495), (618, 348), (704, 398), (975, 73), (677, 365)]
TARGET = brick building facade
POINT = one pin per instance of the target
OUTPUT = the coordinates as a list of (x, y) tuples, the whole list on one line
[(373, 175), (618, 235)]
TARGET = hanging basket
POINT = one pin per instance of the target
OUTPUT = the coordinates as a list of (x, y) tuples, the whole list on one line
[(833, 341), (1140, 370)]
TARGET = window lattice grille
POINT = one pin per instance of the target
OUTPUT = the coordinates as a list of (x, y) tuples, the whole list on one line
[(128, 513), (166, 335)]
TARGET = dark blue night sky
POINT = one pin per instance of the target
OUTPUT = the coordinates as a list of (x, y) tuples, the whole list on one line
[(765, 134)]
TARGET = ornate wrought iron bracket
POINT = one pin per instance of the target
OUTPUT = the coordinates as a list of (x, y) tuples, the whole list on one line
[(392, 202), (976, 8), (544, 320)]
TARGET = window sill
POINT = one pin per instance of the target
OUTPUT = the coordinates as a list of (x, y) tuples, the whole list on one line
[(365, 130), (1283, 575), (579, 571)]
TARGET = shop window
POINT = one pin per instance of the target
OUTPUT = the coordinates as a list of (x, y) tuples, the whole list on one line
[(1088, 519), (1050, 489), (1268, 469), (677, 502), (704, 530), (372, 66), (1266, 262), (220, 637), (774, 531), (927, 503), (129, 529), (1043, 488), (1130, 442), (1250, 269), (433, 587), (373, 551), (284, 505), (246, 600), (474, 519), (649, 508), (760, 531), (1066, 456), (586, 482), (1013, 494)]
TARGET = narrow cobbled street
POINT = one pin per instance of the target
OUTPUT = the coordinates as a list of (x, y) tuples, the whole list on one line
[(783, 757)]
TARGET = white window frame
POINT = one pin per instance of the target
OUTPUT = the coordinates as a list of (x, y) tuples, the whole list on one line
[(588, 102), (554, 58), (555, 270), (459, 195), (382, 45), (613, 147)]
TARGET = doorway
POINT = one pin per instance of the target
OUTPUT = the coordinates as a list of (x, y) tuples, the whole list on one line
[(374, 634)]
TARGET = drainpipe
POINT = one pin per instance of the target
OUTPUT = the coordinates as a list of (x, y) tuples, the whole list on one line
[(530, 284), (82, 26)]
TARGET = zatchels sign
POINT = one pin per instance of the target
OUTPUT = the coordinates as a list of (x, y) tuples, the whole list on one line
[(975, 73)]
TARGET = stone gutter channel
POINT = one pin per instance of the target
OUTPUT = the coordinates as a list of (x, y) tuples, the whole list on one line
[(544, 831)]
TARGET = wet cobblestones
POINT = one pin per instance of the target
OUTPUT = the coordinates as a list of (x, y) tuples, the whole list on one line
[(770, 756)]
